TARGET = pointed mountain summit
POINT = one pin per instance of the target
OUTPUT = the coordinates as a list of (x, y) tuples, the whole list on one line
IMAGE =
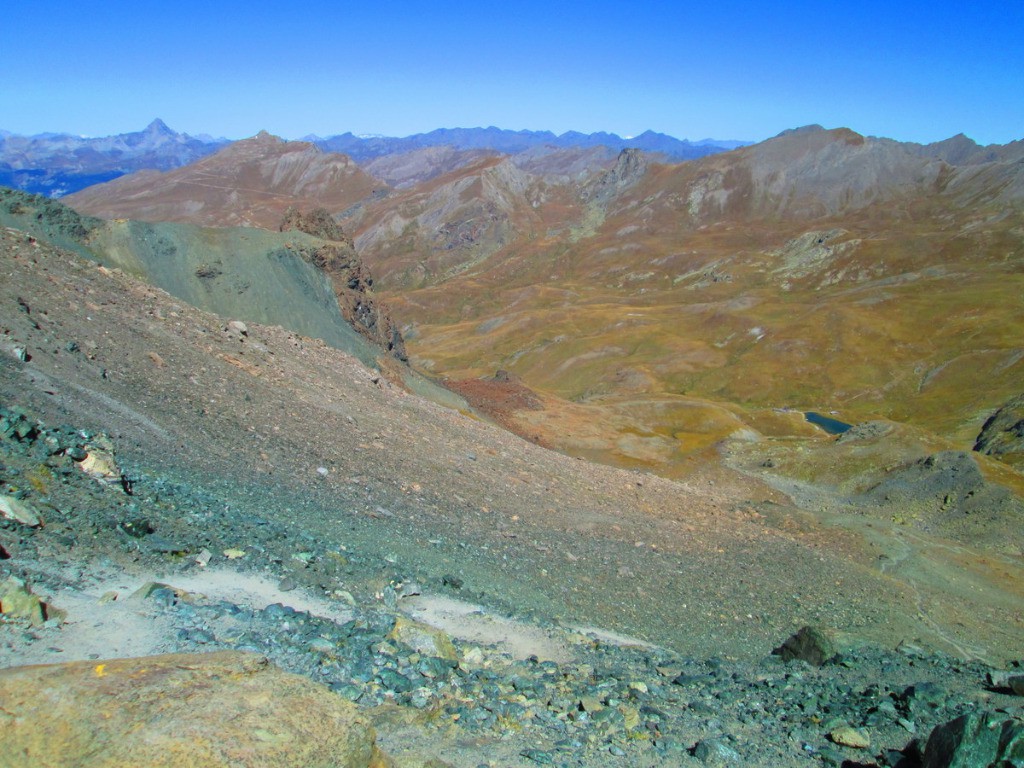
[(158, 126)]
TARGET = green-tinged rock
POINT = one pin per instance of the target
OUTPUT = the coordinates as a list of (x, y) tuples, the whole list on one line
[(976, 740), (1016, 684), (17, 601), (24, 513), (180, 710), (814, 645), (423, 638)]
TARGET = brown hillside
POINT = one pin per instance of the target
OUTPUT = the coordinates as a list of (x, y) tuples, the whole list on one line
[(249, 183)]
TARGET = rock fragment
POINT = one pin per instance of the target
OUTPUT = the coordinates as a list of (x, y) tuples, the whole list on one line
[(99, 463), (714, 752), (848, 736), (17, 601), (24, 513), (423, 638)]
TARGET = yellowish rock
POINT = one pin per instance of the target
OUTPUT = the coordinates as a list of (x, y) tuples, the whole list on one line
[(99, 464), (850, 737), (630, 717), (182, 711), (425, 639), (17, 601)]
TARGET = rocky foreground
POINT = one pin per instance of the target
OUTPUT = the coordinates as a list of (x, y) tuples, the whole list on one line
[(79, 532)]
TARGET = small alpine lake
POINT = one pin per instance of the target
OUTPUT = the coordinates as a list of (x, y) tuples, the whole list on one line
[(830, 425)]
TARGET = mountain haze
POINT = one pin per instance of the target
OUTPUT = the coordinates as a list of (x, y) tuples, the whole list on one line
[(508, 142)]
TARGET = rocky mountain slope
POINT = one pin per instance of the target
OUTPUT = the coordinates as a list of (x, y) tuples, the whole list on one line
[(197, 487), (60, 164), (314, 284)]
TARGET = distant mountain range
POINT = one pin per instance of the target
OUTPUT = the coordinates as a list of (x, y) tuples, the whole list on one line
[(363, 148), (58, 164)]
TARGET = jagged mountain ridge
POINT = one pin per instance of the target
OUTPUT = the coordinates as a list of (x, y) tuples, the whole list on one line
[(60, 164), (57, 164)]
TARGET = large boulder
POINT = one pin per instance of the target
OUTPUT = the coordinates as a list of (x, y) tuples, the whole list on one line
[(815, 645), (977, 740), (180, 710)]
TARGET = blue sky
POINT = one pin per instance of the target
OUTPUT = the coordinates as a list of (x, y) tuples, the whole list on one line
[(728, 70)]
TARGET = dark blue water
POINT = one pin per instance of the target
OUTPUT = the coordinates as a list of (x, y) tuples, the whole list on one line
[(830, 425)]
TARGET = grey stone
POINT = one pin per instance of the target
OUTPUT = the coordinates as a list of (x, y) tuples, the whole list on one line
[(15, 509), (715, 752)]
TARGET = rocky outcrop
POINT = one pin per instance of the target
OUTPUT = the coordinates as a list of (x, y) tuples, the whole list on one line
[(814, 645), (943, 492), (217, 709), (630, 166), (354, 289), (318, 223), (353, 284), (1002, 436)]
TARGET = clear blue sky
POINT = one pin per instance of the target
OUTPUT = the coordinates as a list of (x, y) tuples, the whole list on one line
[(730, 69)]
